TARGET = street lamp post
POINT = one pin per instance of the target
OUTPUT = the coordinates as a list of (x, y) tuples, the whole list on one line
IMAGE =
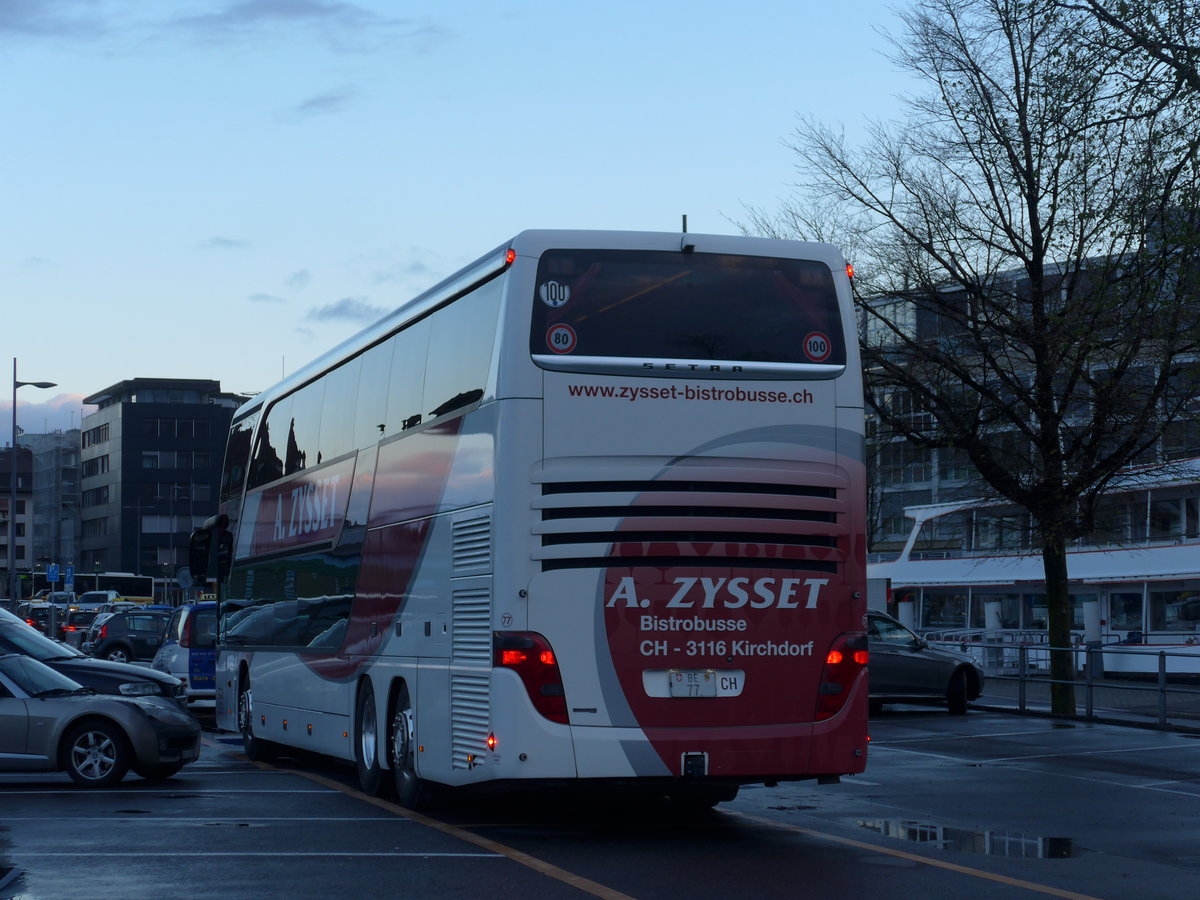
[(12, 482)]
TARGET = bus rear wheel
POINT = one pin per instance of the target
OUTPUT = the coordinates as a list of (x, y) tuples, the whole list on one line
[(255, 748), (412, 791), (366, 743)]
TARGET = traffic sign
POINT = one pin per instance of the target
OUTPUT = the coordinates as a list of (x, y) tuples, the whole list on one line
[(52, 573), (69, 580)]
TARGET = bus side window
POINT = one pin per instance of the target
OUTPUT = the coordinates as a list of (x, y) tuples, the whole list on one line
[(337, 410), (407, 382), (460, 350), (302, 450), (371, 406), (268, 458)]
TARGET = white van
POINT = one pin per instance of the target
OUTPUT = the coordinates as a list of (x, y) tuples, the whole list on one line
[(189, 652)]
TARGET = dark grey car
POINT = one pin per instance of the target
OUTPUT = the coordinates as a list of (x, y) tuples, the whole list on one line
[(100, 675), (128, 635), (904, 666)]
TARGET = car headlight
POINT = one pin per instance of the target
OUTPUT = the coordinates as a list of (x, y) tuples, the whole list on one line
[(138, 688)]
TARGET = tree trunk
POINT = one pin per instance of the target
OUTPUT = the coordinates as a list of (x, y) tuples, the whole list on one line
[(1058, 604)]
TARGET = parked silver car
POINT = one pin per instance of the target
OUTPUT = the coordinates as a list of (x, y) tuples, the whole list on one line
[(50, 723), (904, 666)]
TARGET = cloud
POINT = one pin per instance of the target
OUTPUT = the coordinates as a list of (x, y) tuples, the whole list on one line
[(224, 243), (265, 298), (353, 309), (40, 18), (39, 414), (344, 27), (299, 279), (403, 272), (328, 103)]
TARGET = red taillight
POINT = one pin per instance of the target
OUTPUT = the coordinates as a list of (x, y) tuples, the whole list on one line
[(31, 623), (531, 657), (185, 639), (510, 256), (843, 663), (103, 632)]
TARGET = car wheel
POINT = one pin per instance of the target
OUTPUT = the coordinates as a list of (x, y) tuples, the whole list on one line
[(956, 693), (366, 743), (255, 748), (157, 773), (96, 754), (118, 654), (411, 790)]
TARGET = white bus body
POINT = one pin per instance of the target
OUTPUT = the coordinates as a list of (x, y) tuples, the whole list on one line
[(592, 508)]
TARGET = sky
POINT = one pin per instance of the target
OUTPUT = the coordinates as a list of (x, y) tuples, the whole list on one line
[(225, 189)]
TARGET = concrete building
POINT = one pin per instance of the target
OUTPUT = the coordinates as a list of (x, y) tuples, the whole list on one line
[(21, 506), (150, 466), (55, 496)]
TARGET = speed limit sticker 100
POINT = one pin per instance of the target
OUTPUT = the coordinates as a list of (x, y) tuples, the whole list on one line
[(561, 338), (817, 346)]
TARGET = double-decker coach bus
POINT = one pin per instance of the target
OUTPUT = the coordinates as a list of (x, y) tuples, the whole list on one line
[(592, 509)]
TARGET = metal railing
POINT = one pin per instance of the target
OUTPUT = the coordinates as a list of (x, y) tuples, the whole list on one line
[(1139, 684)]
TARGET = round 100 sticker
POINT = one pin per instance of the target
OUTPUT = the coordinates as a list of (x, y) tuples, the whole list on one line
[(561, 338), (817, 346)]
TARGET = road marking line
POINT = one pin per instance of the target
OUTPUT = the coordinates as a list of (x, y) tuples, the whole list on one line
[(541, 866), (139, 854), (925, 860), (134, 818), (1190, 747)]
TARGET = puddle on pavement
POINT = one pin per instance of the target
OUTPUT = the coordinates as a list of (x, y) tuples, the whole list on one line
[(989, 843)]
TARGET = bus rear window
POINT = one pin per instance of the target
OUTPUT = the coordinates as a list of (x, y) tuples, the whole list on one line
[(654, 305)]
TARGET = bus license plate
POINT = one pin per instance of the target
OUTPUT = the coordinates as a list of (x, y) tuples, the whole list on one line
[(692, 682)]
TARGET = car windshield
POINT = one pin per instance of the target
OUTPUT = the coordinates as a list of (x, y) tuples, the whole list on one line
[(34, 677), (886, 630), (20, 638)]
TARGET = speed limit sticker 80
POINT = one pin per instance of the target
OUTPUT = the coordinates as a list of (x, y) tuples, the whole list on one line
[(561, 338)]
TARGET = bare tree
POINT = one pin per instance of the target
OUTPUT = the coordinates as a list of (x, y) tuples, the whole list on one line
[(1025, 255), (1165, 31)]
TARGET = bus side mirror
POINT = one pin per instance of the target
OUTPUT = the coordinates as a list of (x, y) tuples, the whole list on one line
[(224, 553), (199, 546)]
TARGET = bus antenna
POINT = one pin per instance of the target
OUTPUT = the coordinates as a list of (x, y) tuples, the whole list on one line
[(685, 223)]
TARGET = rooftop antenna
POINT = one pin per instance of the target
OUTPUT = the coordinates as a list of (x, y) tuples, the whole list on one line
[(685, 223)]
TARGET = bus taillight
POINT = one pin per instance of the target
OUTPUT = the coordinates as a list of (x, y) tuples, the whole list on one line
[(845, 659), (531, 657)]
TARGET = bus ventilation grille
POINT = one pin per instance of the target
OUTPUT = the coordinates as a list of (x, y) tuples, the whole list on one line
[(469, 718), (472, 626), (471, 550), (589, 524)]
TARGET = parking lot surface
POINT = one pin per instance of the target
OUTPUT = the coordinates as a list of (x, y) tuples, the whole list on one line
[(987, 805)]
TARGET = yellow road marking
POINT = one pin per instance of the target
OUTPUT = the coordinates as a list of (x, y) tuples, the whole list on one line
[(532, 862)]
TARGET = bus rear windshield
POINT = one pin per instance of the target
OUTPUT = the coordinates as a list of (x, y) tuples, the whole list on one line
[(657, 305)]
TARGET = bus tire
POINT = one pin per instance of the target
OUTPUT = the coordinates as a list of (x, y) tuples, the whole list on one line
[(366, 743), (412, 791), (692, 800), (956, 693), (255, 748)]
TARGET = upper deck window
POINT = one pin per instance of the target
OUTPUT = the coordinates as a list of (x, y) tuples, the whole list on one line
[(657, 305)]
